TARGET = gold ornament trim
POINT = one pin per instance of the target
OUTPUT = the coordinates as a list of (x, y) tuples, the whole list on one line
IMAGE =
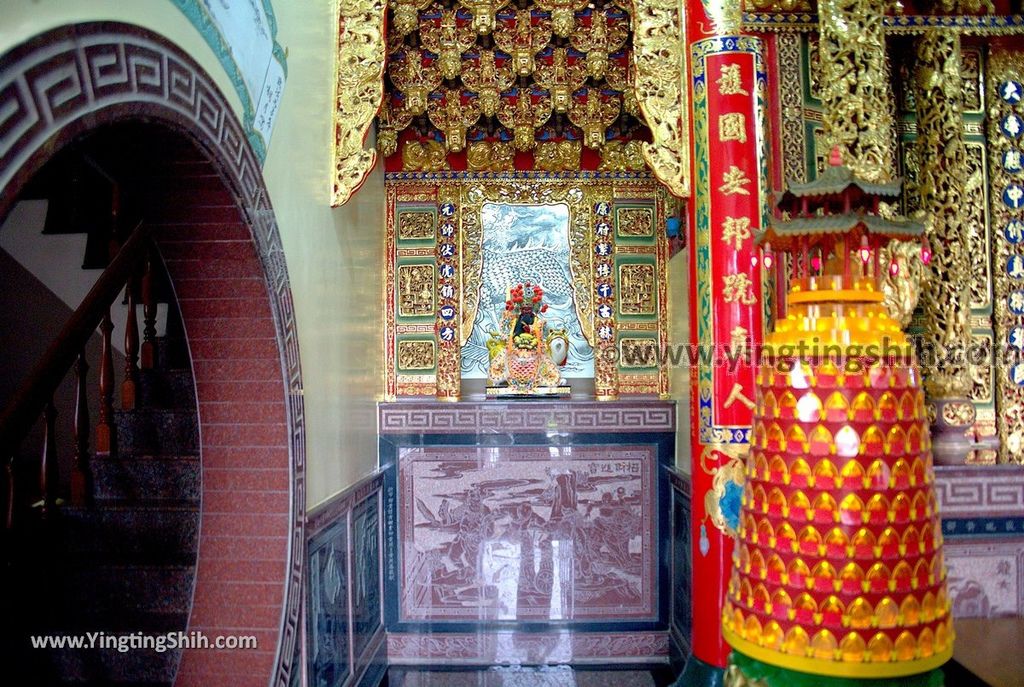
[(358, 92), (659, 54)]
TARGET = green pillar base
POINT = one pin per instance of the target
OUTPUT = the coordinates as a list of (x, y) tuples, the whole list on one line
[(697, 673), (773, 676)]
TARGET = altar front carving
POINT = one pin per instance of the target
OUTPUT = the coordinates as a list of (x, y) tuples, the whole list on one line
[(595, 244)]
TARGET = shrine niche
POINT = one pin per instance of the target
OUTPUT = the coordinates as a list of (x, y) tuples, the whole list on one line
[(592, 251)]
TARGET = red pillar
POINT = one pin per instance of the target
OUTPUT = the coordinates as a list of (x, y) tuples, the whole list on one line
[(727, 87)]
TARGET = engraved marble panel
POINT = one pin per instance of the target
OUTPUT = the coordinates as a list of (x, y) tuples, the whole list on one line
[(366, 594), (327, 607), (527, 648), (985, 579), (527, 533)]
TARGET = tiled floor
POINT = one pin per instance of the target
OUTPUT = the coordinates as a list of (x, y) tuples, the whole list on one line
[(528, 676)]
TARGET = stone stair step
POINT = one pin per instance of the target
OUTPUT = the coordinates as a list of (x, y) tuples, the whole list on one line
[(165, 388), (157, 432), (146, 477), (166, 528)]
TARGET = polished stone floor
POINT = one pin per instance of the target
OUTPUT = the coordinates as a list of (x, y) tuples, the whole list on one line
[(529, 676)]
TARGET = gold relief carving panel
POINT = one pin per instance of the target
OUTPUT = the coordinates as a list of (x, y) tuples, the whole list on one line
[(415, 355), (981, 375), (638, 353), (558, 156), (971, 72), (484, 156), (779, 5), (358, 92), (636, 289), (415, 290), (617, 156), (635, 222), (979, 236), (791, 105), (415, 226), (659, 52), (429, 156)]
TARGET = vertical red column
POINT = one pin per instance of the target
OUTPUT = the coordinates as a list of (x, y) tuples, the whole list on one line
[(727, 93)]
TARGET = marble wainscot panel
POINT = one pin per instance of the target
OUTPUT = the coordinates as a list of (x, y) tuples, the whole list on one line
[(982, 509), (345, 644), (531, 532), (681, 604)]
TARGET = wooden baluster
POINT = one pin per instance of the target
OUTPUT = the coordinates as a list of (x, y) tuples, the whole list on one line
[(148, 352), (48, 468), (81, 474), (104, 433), (131, 350)]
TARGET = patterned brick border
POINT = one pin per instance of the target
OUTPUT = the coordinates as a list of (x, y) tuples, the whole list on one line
[(235, 299)]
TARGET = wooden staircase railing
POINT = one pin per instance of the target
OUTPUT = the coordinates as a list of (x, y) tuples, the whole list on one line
[(130, 269)]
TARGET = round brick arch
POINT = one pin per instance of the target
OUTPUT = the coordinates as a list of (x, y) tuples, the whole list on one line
[(226, 263)]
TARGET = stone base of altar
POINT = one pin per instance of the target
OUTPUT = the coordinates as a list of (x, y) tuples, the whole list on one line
[(529, 532)]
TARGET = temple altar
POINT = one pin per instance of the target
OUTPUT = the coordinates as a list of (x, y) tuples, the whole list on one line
[(527, 532)]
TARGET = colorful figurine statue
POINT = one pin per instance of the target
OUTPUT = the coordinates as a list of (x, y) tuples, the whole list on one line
[(522, 362)]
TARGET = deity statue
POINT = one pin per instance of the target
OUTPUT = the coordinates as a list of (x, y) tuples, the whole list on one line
[(523, 355)]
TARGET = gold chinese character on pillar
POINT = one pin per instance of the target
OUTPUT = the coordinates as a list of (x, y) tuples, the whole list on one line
[(730, 81), (523, 37), (561, 76), (732, 126), (737, 288), (524, 110), (598, 35), (488, 77), (415, 76), (736, 230), (453, 113), (448, 38), (594, 112)]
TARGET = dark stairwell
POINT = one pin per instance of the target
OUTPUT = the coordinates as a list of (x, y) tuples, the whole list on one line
[(105, 545)]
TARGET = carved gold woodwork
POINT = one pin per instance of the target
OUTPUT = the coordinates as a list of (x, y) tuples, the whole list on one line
[(659, 53), (855, 86), (415, 290), (557, 156), (358, 91), (1006, 66), (561, 76), (415, 226), (407, 14), (635, 222), (620, 78), (415, 355), (488, 79), (594, 113), (389, 123), (523, 111), (726, 16), (522, 38), (445, 38), (636, 289), (453, 114), (617, 156), (638, 353), (425, 156), (562, 12), (902, 290), (485, 156), (483, 12), (965, 6), (414, 77), (779, 5), (943, 169), (599, 38)]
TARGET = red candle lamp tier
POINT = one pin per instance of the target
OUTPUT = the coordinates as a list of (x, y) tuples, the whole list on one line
[(838, 569)]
